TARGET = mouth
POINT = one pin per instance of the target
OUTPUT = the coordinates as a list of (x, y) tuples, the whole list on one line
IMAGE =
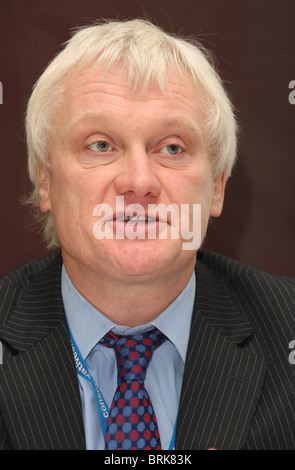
[(141, 225), (157, 221), (136, 219)]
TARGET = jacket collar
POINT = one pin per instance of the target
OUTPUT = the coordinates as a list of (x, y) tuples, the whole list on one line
[(39, 291), (215, 303)]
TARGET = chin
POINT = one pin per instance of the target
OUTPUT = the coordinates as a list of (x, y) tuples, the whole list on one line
[(140, 258)]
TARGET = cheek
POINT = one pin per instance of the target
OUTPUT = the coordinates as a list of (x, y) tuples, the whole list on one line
[(65, 195), (74, 195), (68, 187), (199, 190)]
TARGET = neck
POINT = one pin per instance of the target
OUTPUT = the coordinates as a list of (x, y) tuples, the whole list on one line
[(129, 301)]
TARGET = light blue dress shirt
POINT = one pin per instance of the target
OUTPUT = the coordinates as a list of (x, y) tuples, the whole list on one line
[(165, 371)]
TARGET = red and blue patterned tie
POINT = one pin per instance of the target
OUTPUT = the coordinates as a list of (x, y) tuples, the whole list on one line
[(132, 422)]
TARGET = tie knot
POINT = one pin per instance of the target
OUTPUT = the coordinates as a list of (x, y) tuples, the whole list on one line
[(133, 353)]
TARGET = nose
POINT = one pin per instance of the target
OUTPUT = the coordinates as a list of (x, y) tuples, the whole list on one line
[(137, 178)]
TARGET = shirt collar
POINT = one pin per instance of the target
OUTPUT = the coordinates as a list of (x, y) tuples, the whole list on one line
[(88, 325)]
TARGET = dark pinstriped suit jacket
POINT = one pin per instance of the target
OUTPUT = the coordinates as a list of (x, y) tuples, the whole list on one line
[(238, 387)]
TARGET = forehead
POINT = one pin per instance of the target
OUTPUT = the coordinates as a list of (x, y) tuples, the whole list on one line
[(117, 75), (116, 82), (95, 92)]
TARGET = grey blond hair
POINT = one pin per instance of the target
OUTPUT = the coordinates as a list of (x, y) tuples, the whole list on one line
[(147, 54)]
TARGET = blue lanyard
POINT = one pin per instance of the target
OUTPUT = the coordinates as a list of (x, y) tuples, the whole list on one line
[(102, 407), (82, 370)]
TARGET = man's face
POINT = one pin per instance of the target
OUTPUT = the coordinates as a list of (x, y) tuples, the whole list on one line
[(149, 148)]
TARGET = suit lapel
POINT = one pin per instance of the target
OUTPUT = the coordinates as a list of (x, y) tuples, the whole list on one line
[(39, 392), (222, 381)]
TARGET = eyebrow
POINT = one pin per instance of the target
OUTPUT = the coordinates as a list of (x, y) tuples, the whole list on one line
[(88, 119), (186, 124), (176, 122)]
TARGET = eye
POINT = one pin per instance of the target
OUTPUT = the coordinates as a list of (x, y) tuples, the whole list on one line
[(101, 146), (171, 149)]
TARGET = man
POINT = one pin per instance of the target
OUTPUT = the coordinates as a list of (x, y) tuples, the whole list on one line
[(129, 132)]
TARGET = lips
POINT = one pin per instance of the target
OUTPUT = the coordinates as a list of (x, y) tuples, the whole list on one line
[(135, 217), (133, 221), (140, 224)]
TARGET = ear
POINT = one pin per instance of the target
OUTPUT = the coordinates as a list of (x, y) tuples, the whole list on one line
[(44, 188), (218, 195)]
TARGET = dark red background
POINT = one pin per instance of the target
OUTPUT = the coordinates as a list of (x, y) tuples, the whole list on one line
[(254, 42)]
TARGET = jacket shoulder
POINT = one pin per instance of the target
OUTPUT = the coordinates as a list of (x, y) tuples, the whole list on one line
[(229, 271), (30, 296), (22, 275), (266, 300)]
